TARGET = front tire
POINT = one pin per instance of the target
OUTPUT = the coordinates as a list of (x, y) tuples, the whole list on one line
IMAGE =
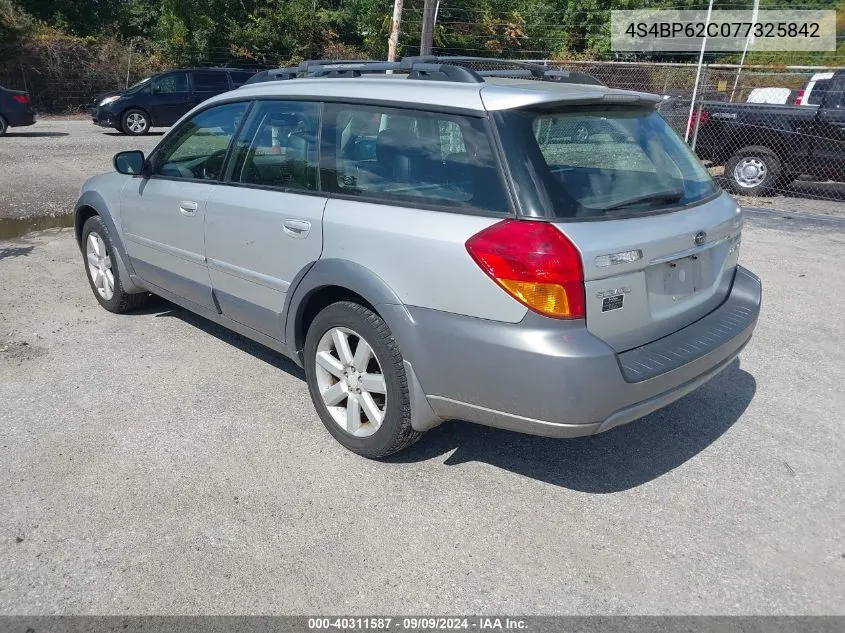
[(357, 380), (102, 272), (753, 171), (4, 126), (135, 122)]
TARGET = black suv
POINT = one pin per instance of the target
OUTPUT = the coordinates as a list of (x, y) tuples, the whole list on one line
[(160, 100), (15, 110)]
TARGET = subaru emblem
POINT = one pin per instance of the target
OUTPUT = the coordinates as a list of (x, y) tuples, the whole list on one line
[(700, 238)]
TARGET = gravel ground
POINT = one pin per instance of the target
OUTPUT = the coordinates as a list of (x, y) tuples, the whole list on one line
[(43, 166), (155, 463)]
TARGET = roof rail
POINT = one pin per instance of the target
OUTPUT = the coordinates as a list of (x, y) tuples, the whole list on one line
[(416, 68), (429, 67), (512, 68)]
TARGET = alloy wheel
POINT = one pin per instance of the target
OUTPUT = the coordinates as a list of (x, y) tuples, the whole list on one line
[(351, 381), (136, 122), (99, 265)]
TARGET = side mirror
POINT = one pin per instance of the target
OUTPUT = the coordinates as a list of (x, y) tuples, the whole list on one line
[(130, 163), (155, 88)]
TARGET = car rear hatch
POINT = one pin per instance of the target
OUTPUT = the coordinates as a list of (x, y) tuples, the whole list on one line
[(18, 99), (647, 277), (658, 240)]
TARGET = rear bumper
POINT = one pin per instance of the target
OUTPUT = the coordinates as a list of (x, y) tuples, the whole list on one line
[(20, 119), (558, 380)]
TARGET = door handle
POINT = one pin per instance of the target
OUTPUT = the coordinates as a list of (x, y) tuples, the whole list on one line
[(187, 207), (296, 228)]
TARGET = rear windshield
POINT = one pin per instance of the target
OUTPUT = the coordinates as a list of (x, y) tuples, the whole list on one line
[(818, 91), (594, 163)]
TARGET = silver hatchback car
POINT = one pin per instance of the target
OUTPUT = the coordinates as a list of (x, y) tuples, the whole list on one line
[(435, 243)]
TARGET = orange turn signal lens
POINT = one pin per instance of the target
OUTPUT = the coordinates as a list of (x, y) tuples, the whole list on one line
[(548, 299)]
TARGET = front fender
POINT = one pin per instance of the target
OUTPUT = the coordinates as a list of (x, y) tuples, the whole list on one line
[(94, 200)]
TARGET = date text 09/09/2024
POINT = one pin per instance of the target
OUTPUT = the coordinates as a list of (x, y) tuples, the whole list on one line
[(416, 623)]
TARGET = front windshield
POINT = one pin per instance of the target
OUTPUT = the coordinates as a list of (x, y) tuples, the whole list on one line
[(138, 85), (601, 162)]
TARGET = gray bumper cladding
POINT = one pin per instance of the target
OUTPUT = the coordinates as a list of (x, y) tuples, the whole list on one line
[(554, 378), (720, 327)]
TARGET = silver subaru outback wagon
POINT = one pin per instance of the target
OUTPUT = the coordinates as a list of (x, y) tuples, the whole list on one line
[(435, 243)]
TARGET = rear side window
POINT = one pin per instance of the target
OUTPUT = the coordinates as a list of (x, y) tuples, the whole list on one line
[(210, 81), (278, 146), (410, 157), (600, 162)]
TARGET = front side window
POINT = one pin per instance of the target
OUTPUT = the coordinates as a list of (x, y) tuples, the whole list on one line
[(174, 82), (597, 162), (278, 146), (210, 81), (198, 147), (411, 157)]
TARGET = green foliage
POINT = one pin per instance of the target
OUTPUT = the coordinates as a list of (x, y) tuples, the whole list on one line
[(66, 51), (278, 32), (15, 25)]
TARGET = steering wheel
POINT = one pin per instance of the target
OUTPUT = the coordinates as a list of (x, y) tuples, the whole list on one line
[(213, 164)]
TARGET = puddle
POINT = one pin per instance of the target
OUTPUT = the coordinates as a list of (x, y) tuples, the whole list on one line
[(16, 228)]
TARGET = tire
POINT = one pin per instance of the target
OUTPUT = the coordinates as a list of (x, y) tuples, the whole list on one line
[(356, 324), (3, 126), (753, 171), (103, 277), (135, 122)]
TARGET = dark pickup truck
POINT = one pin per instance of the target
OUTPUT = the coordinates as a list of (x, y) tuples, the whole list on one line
[(764, 147)]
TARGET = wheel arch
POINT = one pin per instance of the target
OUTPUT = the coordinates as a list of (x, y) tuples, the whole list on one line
[(328, 280), (92, 204)]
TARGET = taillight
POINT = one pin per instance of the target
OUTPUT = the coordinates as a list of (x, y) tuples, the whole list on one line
[(534, 263), (21, 98), (703, 117), (799, 97)]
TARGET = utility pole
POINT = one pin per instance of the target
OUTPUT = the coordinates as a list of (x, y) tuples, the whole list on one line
[(698, 72), (429, 16), (393, 42)]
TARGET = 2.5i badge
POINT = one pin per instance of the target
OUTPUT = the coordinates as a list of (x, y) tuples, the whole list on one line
[(612, 299)]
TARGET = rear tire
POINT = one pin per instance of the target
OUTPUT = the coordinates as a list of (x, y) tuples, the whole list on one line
[(3, 126), (360, 393), (753, 171), (135, 122), (103, 274)]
